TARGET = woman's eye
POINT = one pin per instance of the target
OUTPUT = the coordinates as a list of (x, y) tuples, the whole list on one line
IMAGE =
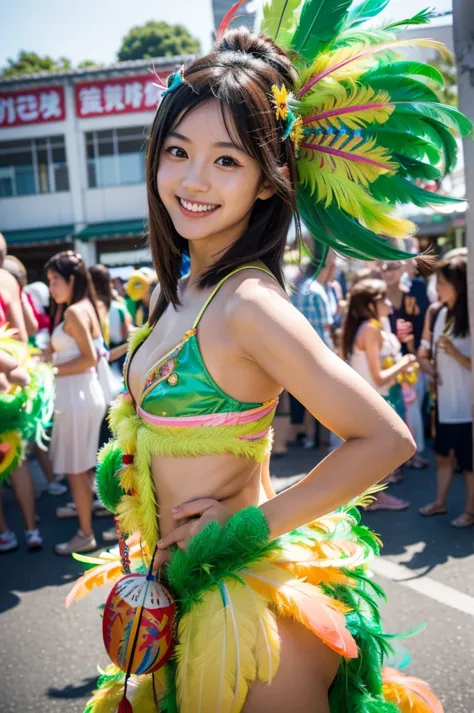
[(176, 151), (227, 161)]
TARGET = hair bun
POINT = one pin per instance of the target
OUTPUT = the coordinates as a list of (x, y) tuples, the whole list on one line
[(261, 47)]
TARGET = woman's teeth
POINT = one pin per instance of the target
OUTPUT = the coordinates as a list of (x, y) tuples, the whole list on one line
[(197, 207)]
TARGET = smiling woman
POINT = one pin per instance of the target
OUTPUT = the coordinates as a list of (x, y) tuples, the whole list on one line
[(275, 607)]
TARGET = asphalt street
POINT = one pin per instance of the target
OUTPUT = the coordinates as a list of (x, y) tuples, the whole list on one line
[(49, 655)]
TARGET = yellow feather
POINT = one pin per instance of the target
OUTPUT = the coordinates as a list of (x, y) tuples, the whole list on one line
[(141, 694), (336, 181), (128, 477), (267, 644), (329, 61), (216, 651), (128, 513), (356, 96)]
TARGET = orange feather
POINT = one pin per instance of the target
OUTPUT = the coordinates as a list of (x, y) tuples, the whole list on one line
[(412, 695), (305, 603)]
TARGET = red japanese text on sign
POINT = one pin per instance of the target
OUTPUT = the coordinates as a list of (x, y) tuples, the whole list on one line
[(119, 96), (33, 106)]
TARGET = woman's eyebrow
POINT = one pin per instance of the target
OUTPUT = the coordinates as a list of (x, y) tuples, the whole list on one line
[(218, 144)]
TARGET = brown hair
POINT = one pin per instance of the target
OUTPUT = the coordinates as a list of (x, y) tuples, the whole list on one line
[(67, 264), (454, 271), (239, 73), (101, 281), (361, 307)]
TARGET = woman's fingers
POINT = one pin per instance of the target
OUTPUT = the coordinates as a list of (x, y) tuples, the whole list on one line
[(192, 508), (161, 557), (177, 535)]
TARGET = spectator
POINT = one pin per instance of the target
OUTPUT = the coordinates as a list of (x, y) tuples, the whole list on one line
[(80, 403), (311, 299), (409, 297), (375, 354), (11, 311), (451, 368)]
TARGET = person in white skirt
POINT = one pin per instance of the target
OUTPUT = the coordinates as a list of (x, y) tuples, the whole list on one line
[(445, 354), (80, 402)]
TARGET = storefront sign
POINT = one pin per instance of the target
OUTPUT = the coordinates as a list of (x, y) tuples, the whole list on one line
[(118, 96), (32, 106)]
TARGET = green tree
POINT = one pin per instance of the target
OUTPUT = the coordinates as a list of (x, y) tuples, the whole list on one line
[(157, 39), (28, 62), (88, 64), (447, 66)]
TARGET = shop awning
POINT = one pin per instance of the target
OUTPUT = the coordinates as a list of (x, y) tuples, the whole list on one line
[(58, 234), (116, 229)]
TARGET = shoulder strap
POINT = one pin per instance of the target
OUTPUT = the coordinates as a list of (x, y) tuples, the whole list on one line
[(224, 279)]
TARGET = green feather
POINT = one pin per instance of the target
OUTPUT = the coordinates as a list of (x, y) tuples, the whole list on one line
[(334, 228), (450, 147), (109, 490), (413, 168), (319, 23), (279, 18), (397, 189), (447, 115), (364, 11), (403, 69), (421, 18), (411, 145), (403, 88)]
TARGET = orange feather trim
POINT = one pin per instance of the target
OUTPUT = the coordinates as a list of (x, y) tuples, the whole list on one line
[(412, 695)]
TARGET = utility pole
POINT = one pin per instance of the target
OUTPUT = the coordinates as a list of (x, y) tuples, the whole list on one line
[(463, 27)]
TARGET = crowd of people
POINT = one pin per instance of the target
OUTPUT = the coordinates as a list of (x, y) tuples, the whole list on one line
[(406, 335), (79, 322)]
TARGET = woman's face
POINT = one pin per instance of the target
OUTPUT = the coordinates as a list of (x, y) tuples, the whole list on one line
[(391, 272), (384, 307), (446, 292), (207, 184), (60, 289)]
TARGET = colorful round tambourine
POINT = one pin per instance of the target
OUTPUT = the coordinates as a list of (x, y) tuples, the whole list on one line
[(138, 624)]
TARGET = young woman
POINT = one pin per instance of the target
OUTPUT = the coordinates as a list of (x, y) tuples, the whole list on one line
[(450, 365), (376, 355), (80, 404), (115, 318), (203, 380)]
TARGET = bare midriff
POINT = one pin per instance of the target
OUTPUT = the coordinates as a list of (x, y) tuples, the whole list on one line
[(233, 481)]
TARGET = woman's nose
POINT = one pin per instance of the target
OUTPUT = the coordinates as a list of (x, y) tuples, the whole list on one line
[(196, 180)]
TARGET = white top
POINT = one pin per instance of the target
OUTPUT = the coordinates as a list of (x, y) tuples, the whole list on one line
[(454, 391), (66, 348), (360, 363)]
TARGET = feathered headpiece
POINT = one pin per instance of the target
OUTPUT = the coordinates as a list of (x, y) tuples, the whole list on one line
[(365, 122)]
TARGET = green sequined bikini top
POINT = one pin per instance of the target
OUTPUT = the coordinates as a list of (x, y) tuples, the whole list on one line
[(179, 394)]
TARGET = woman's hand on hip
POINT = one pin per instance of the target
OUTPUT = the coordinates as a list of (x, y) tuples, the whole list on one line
[(201, 512)]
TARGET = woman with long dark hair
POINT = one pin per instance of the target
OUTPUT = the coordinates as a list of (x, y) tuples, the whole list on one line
[(193, 432), (376, 355), (451, 365), (80, 404)]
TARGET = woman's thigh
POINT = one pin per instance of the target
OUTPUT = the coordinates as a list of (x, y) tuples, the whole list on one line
[(307, 669)]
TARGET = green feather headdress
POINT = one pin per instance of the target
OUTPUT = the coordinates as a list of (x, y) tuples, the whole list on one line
[(366, 123)]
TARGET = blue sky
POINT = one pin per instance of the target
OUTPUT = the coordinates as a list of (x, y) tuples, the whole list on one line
[(93, 29)]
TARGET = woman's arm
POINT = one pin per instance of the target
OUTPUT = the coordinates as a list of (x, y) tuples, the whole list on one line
[(371, 341), (77, 325), (12, 297), (281, 341), (445, 344), (31, 323)]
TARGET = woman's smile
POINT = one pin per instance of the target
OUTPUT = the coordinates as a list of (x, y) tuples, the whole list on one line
[(196, 209)]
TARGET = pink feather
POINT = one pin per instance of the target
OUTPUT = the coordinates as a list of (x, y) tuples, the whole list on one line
[(412, 695), (344, 154), (228, 18)]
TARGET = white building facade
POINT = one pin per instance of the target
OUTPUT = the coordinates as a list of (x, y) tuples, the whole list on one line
[(72, 161)]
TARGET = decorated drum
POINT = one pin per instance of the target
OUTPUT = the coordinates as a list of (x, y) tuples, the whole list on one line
[(138, 624)]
